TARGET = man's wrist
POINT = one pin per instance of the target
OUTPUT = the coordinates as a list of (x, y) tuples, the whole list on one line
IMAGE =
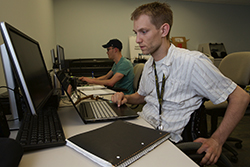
[(218, 138), (127, 98)]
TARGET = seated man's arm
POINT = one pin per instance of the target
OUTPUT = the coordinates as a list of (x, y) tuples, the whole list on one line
[(238, 102), (107, 76), (104, 79)]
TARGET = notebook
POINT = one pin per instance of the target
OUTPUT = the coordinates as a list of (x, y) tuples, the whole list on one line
[(117, 144), (88, 110)]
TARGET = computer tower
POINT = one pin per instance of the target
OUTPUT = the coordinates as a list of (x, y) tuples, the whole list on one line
[(5, 104), (4, 127)]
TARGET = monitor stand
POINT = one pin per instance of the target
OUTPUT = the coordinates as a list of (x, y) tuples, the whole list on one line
[(12, 87), (13, 124)]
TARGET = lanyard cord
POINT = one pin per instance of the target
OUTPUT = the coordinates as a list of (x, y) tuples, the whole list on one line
[(160, 96)]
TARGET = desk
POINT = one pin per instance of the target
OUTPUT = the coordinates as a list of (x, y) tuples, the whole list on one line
[(164, 155)]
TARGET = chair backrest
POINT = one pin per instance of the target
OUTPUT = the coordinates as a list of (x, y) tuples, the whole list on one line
[(236, 66), (138, 68), (197, 125)]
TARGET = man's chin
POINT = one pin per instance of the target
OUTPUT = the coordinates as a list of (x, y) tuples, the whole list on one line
[(144, 52)]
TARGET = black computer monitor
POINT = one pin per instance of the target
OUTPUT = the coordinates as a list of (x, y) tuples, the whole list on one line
[(60, 57), (28, 66), (54, 59)]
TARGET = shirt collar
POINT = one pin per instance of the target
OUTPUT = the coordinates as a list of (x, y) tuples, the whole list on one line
[(168, 61)]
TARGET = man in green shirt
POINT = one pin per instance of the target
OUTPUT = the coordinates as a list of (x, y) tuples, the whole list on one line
[(121, 75)]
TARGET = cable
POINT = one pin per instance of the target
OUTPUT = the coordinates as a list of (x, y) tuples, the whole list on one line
[(7, 88), (12, 90), (81, 92)]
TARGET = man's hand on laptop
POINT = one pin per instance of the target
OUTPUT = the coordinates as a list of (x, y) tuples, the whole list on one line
[(119, 98), (87, 79)]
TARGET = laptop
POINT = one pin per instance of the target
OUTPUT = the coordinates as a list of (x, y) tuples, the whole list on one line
[(95, 111)]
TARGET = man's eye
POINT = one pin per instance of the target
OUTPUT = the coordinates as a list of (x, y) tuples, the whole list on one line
[(144, 31)]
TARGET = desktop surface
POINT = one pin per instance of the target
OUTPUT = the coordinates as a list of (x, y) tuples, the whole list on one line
[(167, 154)]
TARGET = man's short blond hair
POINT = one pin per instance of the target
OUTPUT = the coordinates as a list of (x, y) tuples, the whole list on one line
[(159, 14)]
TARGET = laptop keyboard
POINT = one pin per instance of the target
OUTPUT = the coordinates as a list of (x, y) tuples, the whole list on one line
[(41, 131), (102, 110)]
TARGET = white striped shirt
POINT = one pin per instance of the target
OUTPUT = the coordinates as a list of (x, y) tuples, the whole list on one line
[(191, 76)]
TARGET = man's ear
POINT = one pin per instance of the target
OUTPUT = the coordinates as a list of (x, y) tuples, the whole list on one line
[(116, 49), (165, 29)]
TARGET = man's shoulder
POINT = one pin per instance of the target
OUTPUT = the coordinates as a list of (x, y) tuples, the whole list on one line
[(126, 61), (185, 52), (181, 54)]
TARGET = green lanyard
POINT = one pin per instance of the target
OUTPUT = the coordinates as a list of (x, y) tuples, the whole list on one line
[(159, 95)]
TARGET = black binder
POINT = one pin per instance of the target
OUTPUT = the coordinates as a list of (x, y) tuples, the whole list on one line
[(117, 144)]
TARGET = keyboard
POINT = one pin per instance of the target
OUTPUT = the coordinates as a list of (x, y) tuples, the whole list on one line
[(41, 131), (80, 82), (102, 110)]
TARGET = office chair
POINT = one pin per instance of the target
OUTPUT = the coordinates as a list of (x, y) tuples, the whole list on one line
[(138, 68), (137, 72), (235, 66), (197, 127)]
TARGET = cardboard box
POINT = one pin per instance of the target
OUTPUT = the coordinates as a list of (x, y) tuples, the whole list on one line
[(180, 42)]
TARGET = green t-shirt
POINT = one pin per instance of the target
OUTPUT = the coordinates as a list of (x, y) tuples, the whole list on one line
[(125, 67)]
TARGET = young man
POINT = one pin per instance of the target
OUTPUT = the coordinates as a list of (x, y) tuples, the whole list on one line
[(122, 73), (175, 80)]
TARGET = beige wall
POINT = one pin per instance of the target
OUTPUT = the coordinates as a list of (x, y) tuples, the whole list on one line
[(33, 17), (82, 26)]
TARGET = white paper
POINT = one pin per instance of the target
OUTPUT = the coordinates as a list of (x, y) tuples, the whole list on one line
[(98, 92), (91, 87), (89, 155)]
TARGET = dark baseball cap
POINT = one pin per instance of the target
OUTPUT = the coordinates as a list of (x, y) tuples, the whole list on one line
[(113, 43)]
